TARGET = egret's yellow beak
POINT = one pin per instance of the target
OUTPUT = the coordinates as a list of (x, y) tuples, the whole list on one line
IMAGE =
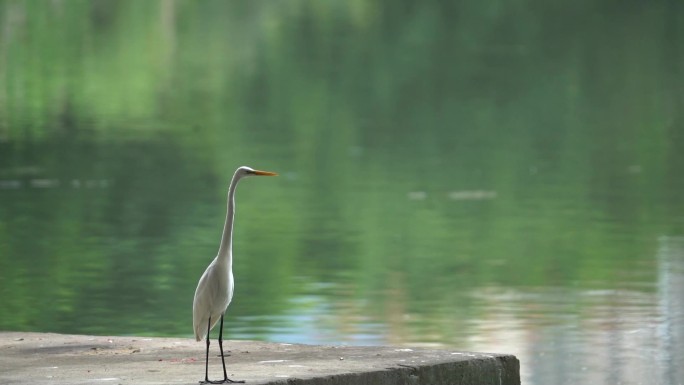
[(264, 173)]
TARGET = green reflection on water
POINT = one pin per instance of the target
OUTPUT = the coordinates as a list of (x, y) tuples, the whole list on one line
[(427, 152)]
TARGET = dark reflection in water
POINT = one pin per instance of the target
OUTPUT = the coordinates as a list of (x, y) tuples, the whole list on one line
[(472, 176)]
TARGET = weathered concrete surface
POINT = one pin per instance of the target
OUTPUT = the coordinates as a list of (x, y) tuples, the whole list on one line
[(43, 358)]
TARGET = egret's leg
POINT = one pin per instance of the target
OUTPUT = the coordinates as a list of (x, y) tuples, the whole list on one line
[(206, 359), (223, 360), (225, 375)]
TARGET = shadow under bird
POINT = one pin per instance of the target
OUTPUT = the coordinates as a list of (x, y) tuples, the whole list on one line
[(215, 288)]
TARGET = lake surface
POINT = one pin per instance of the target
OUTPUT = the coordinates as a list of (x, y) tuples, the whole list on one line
[(500, 177)]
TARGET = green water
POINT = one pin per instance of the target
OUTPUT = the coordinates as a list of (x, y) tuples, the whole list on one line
[(494, 176)]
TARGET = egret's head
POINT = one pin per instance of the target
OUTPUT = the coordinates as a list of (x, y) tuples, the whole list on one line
[(248, 171)]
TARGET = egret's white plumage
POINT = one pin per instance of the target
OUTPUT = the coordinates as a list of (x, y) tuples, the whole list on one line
[(215, 288), (212, 296)]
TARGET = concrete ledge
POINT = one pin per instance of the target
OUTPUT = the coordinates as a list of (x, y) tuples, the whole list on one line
[(44, 358)]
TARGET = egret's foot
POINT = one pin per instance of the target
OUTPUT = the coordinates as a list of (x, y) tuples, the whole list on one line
[(224, 381)]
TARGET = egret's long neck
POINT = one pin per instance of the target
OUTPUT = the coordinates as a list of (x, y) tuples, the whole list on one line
[(225, 253)]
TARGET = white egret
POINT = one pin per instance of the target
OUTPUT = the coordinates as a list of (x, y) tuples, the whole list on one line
[(215, 288)]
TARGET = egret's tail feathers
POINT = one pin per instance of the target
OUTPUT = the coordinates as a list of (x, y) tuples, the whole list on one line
[(200, 327)]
